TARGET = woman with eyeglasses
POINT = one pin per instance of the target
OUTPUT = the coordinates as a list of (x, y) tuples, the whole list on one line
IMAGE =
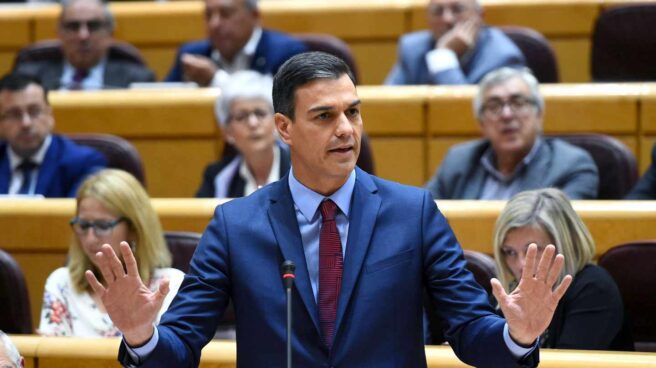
[(112, 206), (590, 316), (244, 112)]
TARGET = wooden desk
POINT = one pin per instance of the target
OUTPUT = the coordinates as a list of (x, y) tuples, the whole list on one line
[(37, 234), (61, 352)]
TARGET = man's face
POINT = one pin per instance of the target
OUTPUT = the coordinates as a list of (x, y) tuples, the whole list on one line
[(325, 135), (25, 119), (84, 33), (509, 117), (230, 24), (443, 15)]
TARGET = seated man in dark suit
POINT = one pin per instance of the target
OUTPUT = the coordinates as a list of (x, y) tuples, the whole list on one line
[(513, 156), (457, 49), (236, 42), (645, 188), (33, 160), (85, 30)]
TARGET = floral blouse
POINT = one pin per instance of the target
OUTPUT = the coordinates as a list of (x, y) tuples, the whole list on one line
[(68, 313)]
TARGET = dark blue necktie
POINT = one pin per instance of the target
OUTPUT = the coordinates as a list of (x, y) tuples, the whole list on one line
[(26, 167)]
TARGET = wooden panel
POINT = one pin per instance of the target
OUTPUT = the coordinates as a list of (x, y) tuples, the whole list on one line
[(450, 111), (6, 61), (400, 159), (174, 167), (644, 159), (374, 60), (45, 22), (149, 113), (648, 111), (393, 110), (437, 149), (15, 29), (159, 59), (573, 57)]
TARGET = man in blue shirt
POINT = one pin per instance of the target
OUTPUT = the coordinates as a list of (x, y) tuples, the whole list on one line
[(365, 250)]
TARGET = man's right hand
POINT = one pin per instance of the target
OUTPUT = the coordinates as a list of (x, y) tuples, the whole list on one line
[(461, 37), (131, 306), (198, 68)]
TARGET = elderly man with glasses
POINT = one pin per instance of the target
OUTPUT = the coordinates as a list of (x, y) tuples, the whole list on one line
[(33, 161), (456, 49), (513, 156), (85, 30)]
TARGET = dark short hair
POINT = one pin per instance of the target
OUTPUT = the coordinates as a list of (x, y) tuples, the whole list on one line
[(300, 70), (15, 82)]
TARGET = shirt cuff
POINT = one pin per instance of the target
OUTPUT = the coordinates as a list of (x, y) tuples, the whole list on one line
[(220, 77), (439, 60), (517, 350), (141, 353)]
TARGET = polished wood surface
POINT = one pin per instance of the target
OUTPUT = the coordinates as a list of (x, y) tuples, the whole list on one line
[(62, 352)]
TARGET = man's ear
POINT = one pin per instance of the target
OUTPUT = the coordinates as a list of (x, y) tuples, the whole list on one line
[(284, 127)]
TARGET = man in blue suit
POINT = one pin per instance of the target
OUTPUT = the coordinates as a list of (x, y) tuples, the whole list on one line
[(457, 49), (236, 42), (365, 251), (33, 161)]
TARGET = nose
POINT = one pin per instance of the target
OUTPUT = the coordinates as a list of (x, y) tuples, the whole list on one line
[(507, 112), (26, 120), (214, 20), (253, 120), (344, 127), (448, 16), (83, 32)]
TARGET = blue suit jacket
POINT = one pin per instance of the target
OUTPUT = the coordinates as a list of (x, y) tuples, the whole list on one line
[(64, 167), (398, 243), (271, 52), (492, 51), (645, 188)]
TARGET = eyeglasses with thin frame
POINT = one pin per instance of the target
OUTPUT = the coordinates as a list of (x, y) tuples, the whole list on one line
[(242, 117), (93, 25), (100, 228), (518, 104), (17, 115)]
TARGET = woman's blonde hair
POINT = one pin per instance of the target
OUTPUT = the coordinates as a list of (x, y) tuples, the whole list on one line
[(548, 210), (122, 194)]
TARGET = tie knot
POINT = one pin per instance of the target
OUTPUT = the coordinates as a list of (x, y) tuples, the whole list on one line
[(79, 75), (27, 166), (328, 209)]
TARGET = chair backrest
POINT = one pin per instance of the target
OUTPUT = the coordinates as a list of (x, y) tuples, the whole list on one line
[(331, 45), (624, 44), (51, 50), (120, 153), (618, 171), (540, 56), (633, 266), (15, 312)]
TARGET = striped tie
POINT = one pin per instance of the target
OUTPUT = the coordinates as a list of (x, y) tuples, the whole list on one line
[(330, 270)]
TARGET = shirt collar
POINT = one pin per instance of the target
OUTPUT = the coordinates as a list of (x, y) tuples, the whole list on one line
[(488, 160), (307, 201), (94, 74), (248, 50), (37, 157)]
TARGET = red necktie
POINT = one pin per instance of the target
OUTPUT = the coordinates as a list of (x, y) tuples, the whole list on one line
[(330, 270)]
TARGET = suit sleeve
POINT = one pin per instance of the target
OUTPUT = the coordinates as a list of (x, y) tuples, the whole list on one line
[(474, 331), (646, 186)]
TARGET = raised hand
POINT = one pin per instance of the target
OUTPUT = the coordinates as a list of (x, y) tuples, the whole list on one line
[(129, 303), (461, 37), (529, 308), (199, 69)]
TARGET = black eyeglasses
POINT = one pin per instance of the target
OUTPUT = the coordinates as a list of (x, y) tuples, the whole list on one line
[(93, 25), (518, 104), (100, 228)]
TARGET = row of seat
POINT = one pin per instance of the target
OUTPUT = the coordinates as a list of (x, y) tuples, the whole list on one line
[(630, 264)]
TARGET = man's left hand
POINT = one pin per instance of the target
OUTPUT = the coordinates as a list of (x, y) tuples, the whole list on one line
[(529, 308)]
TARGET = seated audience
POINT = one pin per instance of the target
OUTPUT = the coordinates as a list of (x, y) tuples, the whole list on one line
[(244, 111), (512, 156), (457, 49), (236, 41), (9, 356), (645, 188), (85, 30), (112, 207), (590, 314), (33, 161)]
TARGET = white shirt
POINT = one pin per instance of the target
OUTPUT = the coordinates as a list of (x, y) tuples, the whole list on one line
[(17, 175)]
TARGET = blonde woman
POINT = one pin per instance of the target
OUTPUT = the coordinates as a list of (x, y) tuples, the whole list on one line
[(590, 314), (112, 206)]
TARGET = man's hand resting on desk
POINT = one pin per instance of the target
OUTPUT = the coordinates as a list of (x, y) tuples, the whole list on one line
[(529, 308), (129, 303)]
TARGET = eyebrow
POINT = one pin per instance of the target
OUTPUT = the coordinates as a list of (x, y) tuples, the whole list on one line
[(329, 107)]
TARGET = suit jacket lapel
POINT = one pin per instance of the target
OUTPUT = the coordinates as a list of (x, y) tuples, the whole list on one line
[(259, 61), (282, 217), (5, 171), (47, 169), (52, 75), (535, 171), (364, 211)]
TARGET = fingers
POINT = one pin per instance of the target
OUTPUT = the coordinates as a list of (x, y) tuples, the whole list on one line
[(498, 291), (164, 288), (102, 261), (128, 258), (115, 263), (95, 284), (545, 262), (555, 269), (562, 288), (529, 267)]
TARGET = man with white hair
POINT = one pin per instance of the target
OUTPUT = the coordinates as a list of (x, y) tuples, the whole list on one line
[(456, 49), (512, 156), (9, 356)]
